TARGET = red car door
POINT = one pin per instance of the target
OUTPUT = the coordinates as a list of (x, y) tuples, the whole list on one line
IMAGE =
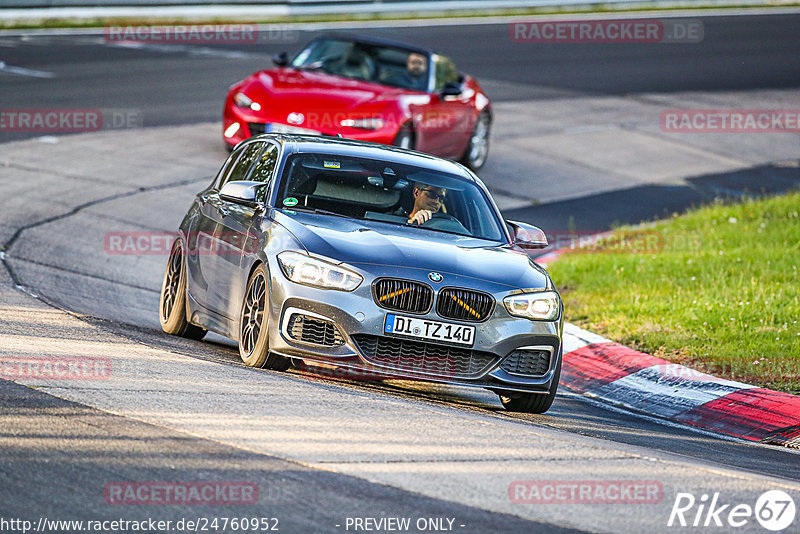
[(444, 125)]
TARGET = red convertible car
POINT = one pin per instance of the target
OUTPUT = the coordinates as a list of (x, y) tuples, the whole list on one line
[(366, 89)]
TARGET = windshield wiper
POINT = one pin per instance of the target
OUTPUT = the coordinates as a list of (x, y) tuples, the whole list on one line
[(320, 212), (326, 212)]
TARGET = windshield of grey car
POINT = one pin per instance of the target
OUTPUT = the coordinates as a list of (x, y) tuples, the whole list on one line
[(386, 192), (381, 64)]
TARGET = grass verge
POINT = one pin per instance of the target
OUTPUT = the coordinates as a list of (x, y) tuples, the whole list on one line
[(716, 289)]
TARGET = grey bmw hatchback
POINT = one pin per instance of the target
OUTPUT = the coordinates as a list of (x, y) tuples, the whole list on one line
[(367, 258)]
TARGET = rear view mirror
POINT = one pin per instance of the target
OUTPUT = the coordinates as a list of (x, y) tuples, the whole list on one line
[(451, 89), (281, 59), (527, 235)]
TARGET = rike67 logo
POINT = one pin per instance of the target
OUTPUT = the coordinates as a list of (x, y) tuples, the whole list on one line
[(774, 510)]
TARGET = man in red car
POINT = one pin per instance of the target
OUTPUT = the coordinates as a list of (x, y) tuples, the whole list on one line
[(417, 71), (415, 76)]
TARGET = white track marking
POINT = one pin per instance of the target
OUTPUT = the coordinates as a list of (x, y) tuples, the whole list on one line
[(21, 71)]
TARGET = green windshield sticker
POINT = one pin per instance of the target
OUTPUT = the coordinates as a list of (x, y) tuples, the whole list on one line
[(290, 201)]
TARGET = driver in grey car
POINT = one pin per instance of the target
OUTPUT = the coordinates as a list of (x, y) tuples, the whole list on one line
[(428, 199)]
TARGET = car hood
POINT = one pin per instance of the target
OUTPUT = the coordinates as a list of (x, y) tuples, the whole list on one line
[(357, 242), (295, 90)]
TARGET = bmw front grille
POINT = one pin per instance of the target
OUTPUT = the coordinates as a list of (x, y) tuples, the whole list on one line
[(464, 304), (403, 295)]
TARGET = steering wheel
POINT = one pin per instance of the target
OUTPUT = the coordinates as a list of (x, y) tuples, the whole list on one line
[(445, 221)]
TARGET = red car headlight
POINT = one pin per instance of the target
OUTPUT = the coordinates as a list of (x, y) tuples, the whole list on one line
[(243, 101)]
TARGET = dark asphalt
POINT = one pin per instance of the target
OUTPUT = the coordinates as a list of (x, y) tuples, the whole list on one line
[(58, 457), (650, 202)]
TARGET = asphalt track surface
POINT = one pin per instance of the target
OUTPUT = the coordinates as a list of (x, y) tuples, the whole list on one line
[(182, 85), (171, 86)]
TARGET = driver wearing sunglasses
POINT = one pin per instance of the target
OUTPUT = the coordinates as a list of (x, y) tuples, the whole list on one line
[(428, 200)]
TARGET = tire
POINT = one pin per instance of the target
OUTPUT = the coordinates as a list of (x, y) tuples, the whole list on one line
[(405, 138), (254, 325), (172, 303), (478, 146), (532, 402)]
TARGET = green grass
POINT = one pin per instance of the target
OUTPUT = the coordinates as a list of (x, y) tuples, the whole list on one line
[(721, 296)]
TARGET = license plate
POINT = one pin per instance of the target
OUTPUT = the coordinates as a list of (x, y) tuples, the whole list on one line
[(276, 127), (426, 329)]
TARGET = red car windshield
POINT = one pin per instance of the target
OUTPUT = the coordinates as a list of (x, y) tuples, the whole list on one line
[(385, 65)]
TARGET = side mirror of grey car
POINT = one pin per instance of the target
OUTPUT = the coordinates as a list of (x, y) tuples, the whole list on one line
[(527, 235), (245, 193), (281, 59)]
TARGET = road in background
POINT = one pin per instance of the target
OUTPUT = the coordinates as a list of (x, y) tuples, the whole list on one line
[(558, 107), (174, 84)]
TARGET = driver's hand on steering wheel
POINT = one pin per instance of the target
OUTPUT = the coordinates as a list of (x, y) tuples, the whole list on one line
[(420, 217)]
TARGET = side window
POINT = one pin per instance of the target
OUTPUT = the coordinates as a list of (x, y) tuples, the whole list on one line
[(266, 164), (241, 168), (445, 71)]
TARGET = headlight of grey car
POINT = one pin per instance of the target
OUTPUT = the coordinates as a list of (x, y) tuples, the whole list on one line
[(317, 273), (540, 306)]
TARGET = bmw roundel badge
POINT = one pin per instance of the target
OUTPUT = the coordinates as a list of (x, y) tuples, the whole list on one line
[(435, 277)]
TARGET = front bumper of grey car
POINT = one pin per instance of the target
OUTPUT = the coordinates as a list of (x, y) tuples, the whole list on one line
[(346, 329)]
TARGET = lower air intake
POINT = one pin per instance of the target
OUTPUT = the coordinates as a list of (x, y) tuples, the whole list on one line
[(315, 331), (420, 358), (527, 362)]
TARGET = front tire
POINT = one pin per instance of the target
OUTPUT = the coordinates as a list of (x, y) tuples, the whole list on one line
[(478, 147), (172, 304), (532, 402), (254, 325)]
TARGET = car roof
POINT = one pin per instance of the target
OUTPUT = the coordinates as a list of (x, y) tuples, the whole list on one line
[(375, 41), (294, 143)]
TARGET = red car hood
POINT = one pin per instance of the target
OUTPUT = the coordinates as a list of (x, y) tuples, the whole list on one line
[(288, 90)]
